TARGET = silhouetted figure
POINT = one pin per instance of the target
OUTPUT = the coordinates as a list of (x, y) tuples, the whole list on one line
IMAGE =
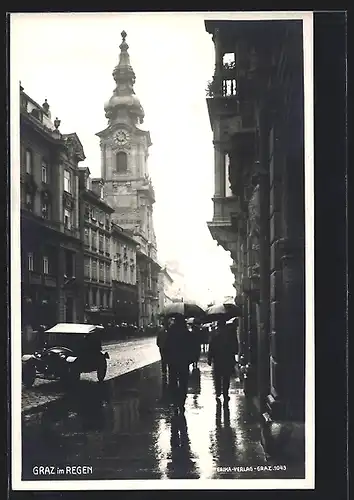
[(222, 351), (178, 356), (196, 339), (161, 341)]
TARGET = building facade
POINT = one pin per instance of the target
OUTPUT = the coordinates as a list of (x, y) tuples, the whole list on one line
[(177, 290), (109, 259), (128, 187), (51, 250), (95, 232), (165, 288), (256, 109), (124, 276)]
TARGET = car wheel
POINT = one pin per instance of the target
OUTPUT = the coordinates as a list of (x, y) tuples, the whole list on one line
[(102, 369), (28, 374)]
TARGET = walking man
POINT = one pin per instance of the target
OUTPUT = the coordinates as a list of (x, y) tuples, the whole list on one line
[(160, 341), (178, 356), (222, 351)]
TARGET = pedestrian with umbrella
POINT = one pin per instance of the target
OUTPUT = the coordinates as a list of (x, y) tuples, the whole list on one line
[(179, 349), (186, 309), (223, 349)]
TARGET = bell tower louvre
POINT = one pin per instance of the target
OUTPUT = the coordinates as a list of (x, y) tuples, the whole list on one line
[(127, 185)]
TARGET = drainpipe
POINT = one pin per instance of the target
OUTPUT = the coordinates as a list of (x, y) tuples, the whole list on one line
[(262, 173)]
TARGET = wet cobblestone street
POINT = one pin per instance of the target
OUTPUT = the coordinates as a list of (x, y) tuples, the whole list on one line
[(125, 356), (125, 429)]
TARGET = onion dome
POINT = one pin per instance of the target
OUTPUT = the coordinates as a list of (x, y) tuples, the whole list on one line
[(124, 101)]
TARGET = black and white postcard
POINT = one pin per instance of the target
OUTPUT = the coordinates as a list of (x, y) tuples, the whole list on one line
[(162, 250)]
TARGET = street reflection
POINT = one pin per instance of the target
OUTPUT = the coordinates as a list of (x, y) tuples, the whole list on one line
[(126, 428), (181, 464), (223, 439)]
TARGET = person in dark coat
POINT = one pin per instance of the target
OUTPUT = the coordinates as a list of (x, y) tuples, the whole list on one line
[(178, 355), (196, 336), (160, 341), (222, 351)]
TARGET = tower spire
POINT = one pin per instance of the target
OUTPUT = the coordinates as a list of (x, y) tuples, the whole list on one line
[(123, 100), (123, 73)]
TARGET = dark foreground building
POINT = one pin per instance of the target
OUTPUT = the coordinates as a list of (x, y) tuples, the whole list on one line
[(51, 252), (256, 108)]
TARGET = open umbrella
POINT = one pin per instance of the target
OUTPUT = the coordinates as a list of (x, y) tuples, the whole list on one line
[(225, 311), (183, 308)]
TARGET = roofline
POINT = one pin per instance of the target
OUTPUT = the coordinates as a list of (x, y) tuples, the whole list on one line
[(44, 131), (119, 230), (93, 196), (74, 134), (164, 270), (33, 101)]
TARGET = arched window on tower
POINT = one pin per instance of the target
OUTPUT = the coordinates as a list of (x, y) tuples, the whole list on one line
[(121, 161)]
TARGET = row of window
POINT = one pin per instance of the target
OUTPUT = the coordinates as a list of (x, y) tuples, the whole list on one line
[(93, 213), (45, 205), (29, 166), (97, 240), (96, 270), (48, 263), (45, 171), (98, 297), (124, 273), (45, 263), (46, 210), (121, 166)]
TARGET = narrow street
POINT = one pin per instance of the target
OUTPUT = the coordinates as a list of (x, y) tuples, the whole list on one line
[(125, 429)]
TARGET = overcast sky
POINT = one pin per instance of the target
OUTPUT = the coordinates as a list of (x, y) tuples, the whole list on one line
[(69, 58)]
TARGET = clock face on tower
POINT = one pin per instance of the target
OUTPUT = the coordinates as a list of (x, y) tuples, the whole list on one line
[(121, 137)]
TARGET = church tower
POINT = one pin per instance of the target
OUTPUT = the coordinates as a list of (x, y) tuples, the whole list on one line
[(127, 185)]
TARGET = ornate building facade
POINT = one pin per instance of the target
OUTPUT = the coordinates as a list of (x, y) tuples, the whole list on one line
[(256, 109), (95, 232), (51, 250), (109, 258), (127, 185), (165, 288)]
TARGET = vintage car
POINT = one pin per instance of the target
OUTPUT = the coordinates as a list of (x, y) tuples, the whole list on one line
[(69, 349)]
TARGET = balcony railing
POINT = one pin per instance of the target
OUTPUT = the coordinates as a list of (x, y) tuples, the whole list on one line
[(48, 280), (35, 278), (225, 207)]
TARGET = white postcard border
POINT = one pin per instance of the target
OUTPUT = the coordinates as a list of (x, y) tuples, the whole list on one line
[(15, 287)]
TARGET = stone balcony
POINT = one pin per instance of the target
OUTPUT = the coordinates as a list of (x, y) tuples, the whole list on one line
[(222, 227), (225, 207)]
